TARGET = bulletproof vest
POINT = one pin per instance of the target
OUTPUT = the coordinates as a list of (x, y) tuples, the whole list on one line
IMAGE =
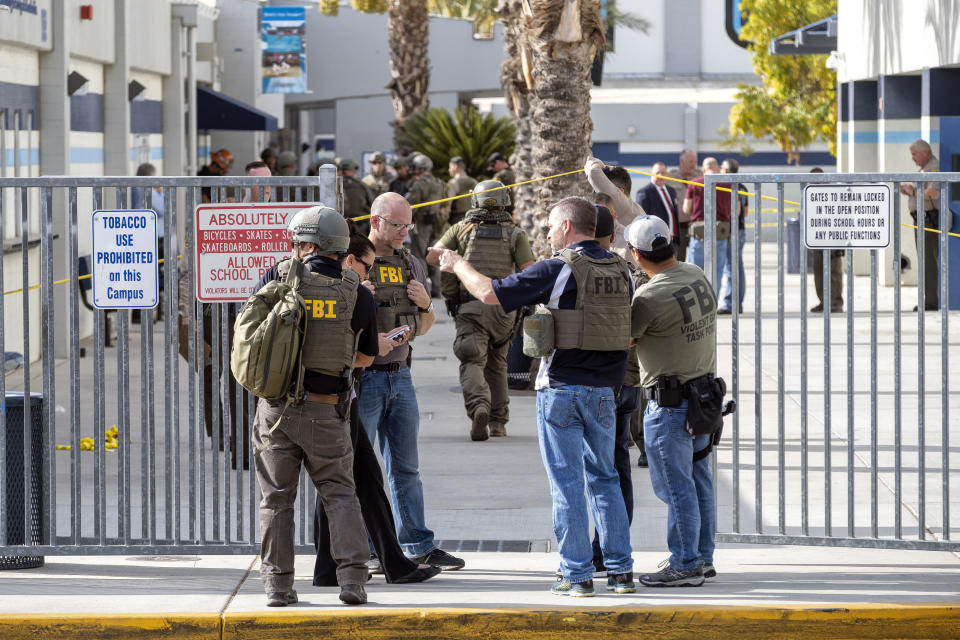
[(330, 346), (632, 377), (390, 276), (601, 319), (488, 247), (428, 188)]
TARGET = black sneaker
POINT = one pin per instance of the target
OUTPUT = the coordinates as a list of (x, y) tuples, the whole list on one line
[(642, 460), (670, 577), (281, 598), (708, 570), (621, 582), (353, 594), (420, 574), (442, 559)]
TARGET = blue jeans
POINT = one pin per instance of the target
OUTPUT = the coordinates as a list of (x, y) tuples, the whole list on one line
[(388, 408), (695, 255), (726, 288), (685, 486), (577, 428)]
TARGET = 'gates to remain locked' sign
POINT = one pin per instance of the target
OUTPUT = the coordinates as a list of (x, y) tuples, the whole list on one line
[(846, 216)]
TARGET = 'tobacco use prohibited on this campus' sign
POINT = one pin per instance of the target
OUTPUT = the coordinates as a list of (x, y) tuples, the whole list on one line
[(846, 216), (124, 247), (236, 244)]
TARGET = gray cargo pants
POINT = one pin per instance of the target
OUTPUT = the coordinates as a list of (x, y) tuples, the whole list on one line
[(317, 436), (481, 345)]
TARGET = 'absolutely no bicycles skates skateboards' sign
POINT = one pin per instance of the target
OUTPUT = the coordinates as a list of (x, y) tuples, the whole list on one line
[(846, 216), (236, 244)]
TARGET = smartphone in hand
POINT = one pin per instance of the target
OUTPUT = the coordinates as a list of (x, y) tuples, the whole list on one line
[(399, 332)]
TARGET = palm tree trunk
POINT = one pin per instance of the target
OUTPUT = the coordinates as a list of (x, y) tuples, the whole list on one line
[(408, 32), (554, 48)]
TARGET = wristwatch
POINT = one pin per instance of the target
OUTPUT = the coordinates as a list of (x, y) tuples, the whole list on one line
[(429, 308)]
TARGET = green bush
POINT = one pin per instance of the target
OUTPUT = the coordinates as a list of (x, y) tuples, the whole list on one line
[(471, 135)]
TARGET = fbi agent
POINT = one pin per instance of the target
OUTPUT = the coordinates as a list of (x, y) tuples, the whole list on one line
[(488, 239), (586, 291), (341, 333), (673, 323)]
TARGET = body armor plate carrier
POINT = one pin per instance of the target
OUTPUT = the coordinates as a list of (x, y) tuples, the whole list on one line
[(390, 276), (601, 319)]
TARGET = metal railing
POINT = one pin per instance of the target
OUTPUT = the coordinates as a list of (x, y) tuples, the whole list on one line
[(164, 485), (880, 492)]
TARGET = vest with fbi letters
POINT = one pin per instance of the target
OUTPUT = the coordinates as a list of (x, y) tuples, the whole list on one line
[(390, 276), (601, 319), (330, 345)]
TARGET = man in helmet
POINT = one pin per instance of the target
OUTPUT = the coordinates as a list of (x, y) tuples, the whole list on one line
[(401, 184), (459, 184), (424, 188), (388, 401), (503, 172), (378, 180), (494, 246), (341, 333), (356, 197)]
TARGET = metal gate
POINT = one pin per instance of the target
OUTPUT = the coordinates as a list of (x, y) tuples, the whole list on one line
[(154, 481), (843, 434)]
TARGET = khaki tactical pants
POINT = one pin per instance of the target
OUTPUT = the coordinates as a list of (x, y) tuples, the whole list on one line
[(315, 435), (836, 277), (482, 342)]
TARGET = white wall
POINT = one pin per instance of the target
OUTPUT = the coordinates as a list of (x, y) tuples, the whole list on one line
[(719, 55), (637, 53)]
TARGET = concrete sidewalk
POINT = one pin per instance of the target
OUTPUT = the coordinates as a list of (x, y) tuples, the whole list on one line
[(496, 492)]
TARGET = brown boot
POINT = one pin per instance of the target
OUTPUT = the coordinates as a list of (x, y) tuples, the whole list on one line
[(478, 428), (497, 430)]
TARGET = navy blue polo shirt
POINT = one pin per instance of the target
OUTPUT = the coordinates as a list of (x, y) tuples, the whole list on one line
[(550, 282)]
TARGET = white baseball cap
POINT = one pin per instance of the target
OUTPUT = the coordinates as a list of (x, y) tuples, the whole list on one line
[(643, 233)]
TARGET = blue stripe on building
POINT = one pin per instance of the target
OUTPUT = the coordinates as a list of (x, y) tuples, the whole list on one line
[(19, 97), (81, 155), (146, 116), (86, 113), (156, 153), (27, 157), (610, 153), (889, 137)]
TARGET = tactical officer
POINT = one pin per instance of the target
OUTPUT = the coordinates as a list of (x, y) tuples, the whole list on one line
[(341, 334), (401, 184), (492, 244), (388, 401), (425, 187), (356, 196), (673, 323), (503, 172), (586, 290), (459, 184), (378, 180)]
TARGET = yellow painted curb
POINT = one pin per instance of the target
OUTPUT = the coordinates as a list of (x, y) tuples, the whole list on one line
[(876, 622), (81, 626)]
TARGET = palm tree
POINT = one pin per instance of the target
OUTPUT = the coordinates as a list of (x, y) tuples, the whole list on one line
[(551, 45), (408, 31)]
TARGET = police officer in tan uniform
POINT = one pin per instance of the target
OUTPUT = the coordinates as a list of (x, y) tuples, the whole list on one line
[(315, 432), (923, 157), (488, 239), (425, 187), (356, 196), (459, 184), (378, 180)]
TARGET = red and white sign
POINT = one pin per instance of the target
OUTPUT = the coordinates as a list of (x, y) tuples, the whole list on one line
[(236, 244)]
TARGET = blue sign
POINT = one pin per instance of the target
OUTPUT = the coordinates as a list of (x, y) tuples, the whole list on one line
[(283, 32), (734, 21)]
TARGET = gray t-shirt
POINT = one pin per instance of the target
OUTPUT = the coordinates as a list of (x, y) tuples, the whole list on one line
[(400, 353), (673, 320)]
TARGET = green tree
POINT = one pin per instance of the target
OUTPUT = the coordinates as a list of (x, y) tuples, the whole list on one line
[(471, 135), (797, 103)]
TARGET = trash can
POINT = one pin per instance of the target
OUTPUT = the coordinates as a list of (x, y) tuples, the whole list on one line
[(518, 365), (16, 473), (794, 245)]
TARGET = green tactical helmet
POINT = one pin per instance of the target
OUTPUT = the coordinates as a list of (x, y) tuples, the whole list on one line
[(322, 226), (422, 162), (491, 199)]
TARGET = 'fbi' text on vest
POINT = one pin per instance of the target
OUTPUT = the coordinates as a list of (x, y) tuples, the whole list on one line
[(391, 274), (322, 308)]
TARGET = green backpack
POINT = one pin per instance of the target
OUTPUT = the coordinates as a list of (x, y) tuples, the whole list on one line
[(265, 357)]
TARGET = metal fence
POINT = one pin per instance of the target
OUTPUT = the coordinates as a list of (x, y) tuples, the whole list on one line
[(159, 483), (863, 459)]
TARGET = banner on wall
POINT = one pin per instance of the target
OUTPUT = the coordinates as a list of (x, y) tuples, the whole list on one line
[(283, 33)]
